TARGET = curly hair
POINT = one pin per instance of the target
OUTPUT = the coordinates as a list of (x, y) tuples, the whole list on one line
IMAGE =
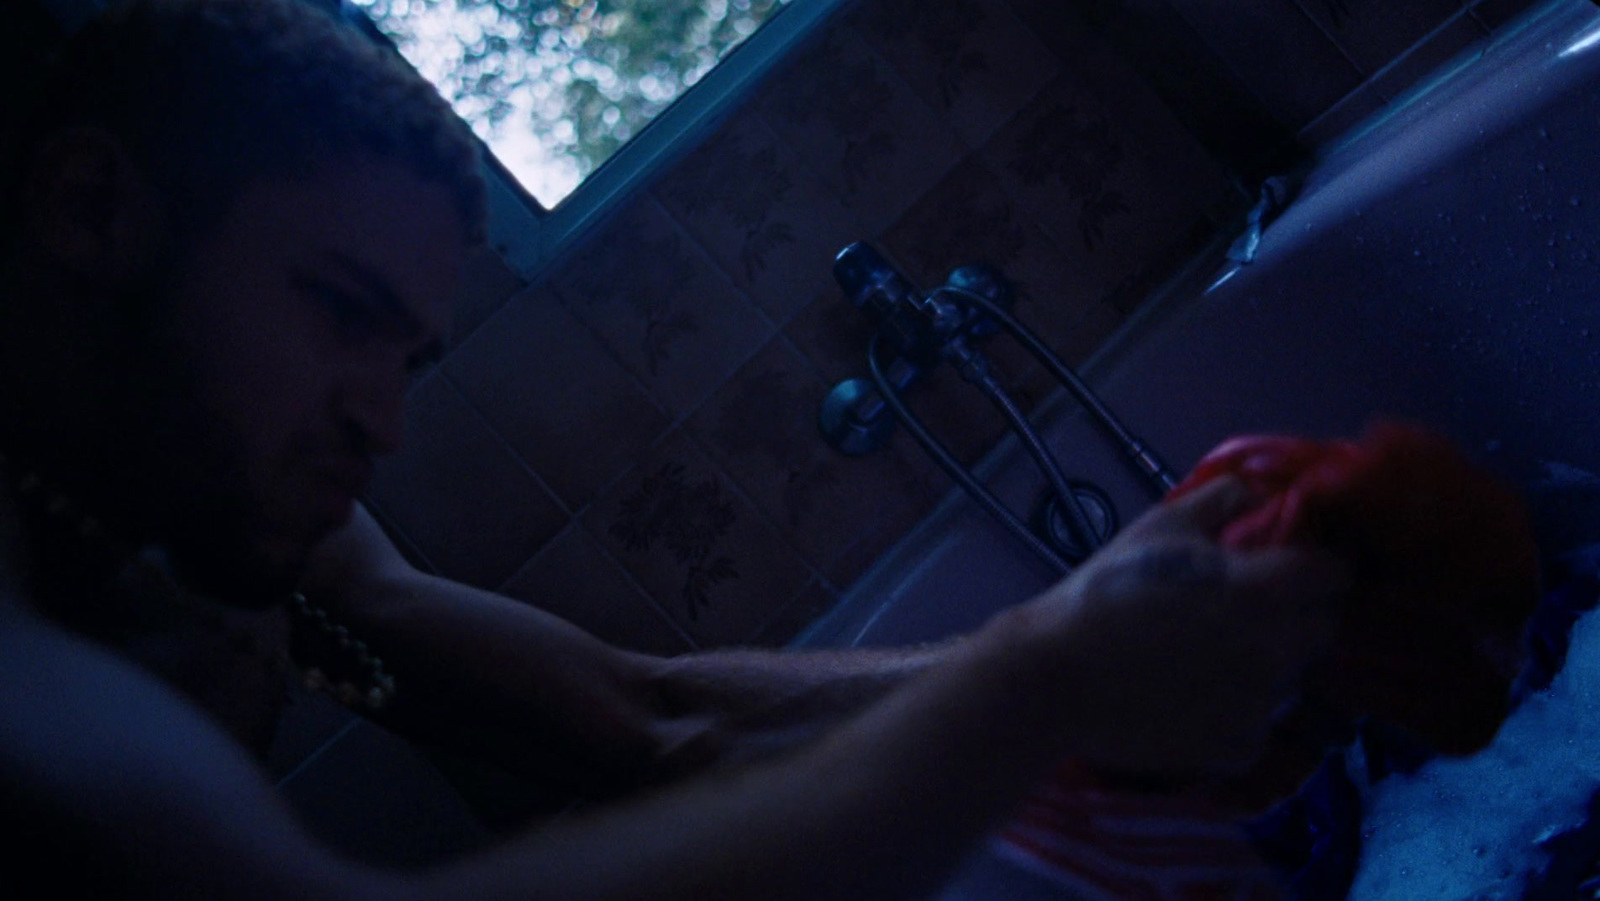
[(208, 95)]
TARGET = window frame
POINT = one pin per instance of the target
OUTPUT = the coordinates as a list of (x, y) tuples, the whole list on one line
[(531, 238)]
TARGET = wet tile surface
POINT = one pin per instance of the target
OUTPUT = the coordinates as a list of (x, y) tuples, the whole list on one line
[(564, 403), (460, 494), (973, 61), (761, 213), (575, 579), (697, 545), (859, 126), (661, 306)]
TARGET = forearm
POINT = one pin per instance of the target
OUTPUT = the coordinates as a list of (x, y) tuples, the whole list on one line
[(881, 808), (496, 678), (752, 702), (501, 678)]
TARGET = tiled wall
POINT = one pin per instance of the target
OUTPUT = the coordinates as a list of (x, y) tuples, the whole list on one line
[(631, 441)]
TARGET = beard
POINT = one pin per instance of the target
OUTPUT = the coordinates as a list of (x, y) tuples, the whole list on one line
[(169, 471)]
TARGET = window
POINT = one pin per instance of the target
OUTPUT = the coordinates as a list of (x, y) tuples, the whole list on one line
[(555, 87)]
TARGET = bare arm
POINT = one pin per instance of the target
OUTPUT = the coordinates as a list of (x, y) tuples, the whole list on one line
[(1166, 655), (539, 695), (112, 783)]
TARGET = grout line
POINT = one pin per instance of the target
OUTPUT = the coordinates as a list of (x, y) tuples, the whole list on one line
[(504, 444), (1332, 38), (1370, 83), (627, 574), (559, 297)]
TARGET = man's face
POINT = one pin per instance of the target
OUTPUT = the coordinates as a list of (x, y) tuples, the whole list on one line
[(297, 323)]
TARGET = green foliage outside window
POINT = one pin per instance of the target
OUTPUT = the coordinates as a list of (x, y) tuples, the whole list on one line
[(586, 74)]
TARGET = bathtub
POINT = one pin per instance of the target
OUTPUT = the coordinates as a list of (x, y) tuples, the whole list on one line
[(1440, 264)]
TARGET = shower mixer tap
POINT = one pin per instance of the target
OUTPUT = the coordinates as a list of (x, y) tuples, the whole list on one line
[(917, 325), (915, 332)]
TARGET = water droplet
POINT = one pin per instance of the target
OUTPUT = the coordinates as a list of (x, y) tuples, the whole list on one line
[(1544, 133), (1576, 200)]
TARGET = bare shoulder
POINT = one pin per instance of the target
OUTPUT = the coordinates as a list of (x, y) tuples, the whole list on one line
[(356, 560), (111, 774)]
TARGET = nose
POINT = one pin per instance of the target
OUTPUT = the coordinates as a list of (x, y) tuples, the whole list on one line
[(373, 404)]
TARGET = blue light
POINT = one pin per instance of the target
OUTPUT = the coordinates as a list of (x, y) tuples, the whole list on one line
[(1586, 41)]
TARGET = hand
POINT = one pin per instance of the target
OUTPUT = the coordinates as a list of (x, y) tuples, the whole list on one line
[(1182, 651)]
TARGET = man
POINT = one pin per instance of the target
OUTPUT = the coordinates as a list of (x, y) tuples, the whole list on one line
[(234, 231)]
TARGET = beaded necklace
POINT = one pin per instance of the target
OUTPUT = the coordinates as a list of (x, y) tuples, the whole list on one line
[(363, 683)]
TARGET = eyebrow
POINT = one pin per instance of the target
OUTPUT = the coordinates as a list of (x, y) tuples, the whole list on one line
[(388, 298)]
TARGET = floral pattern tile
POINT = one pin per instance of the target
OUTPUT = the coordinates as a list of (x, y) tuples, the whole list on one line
[(972, 60), (459, 493), (575, 579), (665, 309), (761, 428), (1088, 182), (971, 217), (697, 546), (761, 213), (852, 119), (561, 400)]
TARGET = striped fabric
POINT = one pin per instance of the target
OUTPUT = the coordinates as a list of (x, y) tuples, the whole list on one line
[(1104, 845)]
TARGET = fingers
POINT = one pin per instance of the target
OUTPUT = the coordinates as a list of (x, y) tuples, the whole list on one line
[(1206, 510)]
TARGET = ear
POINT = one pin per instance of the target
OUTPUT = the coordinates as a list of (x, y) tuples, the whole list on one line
[(94, 211)]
